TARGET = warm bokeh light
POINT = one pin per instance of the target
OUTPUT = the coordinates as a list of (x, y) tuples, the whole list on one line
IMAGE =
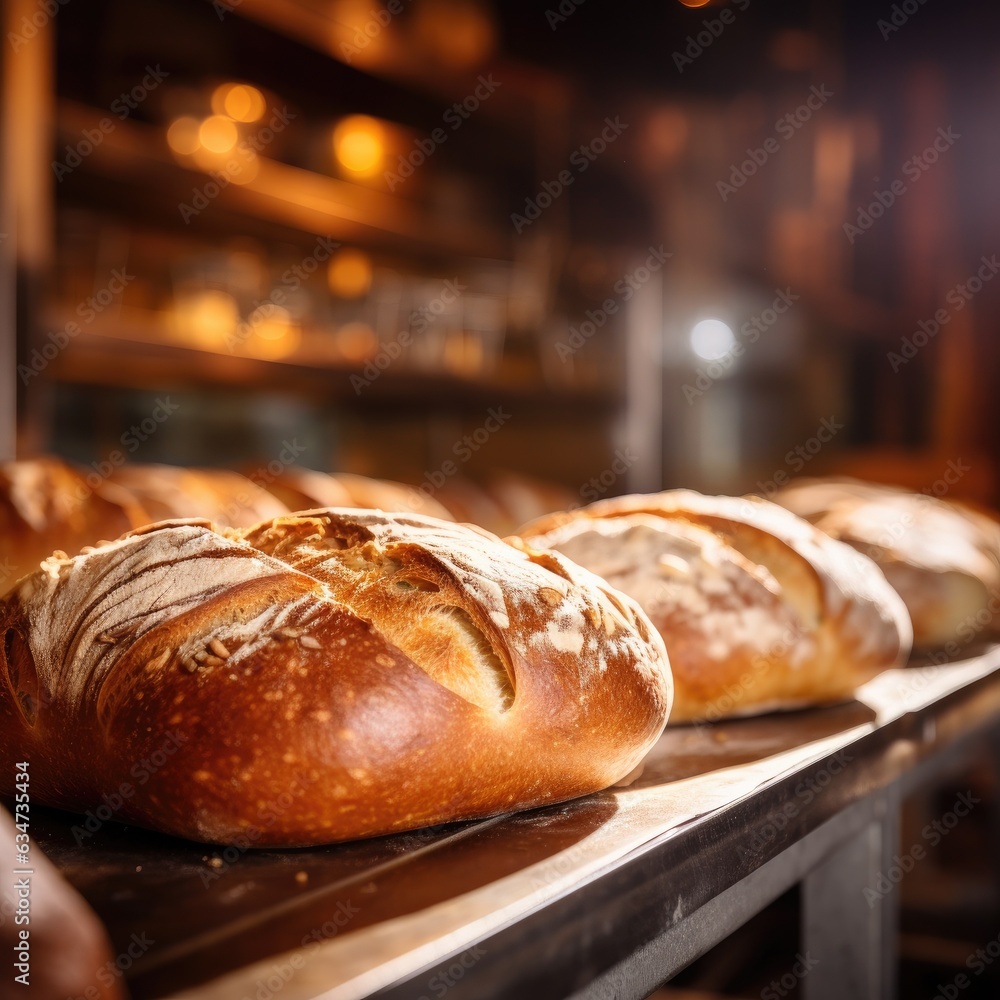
[(274, 333), (459, 33), (356, 341), (353, 36), (206, 318), (695, 3), (359, 144), (182, 136), (711, 339), (249, 166), (218, 134), (239, 101), (350, 273), (238, 168)]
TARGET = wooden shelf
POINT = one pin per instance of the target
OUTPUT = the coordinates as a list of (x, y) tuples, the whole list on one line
[(136, 154), (130, 352)]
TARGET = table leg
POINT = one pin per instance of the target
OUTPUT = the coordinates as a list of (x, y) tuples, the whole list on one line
[(851, 934)]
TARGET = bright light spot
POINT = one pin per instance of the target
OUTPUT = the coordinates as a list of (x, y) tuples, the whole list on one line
[(182, 136), (711, 339), (218, 134), (239, 101), (206, 318), (358, 144), (695, 3), (274, 333), (350, 274)]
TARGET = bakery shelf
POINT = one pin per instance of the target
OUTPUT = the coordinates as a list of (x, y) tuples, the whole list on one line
[(136, 155), (605, 896), (134, 348)]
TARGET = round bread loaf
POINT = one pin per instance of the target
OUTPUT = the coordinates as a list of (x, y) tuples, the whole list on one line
[(942, 558), (223, 497), (383, 494), (758, 609), (322, 677), (46, 504), (299, 488)]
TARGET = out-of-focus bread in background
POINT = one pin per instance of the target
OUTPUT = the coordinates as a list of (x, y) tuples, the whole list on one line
[(383, 494), (303, 489), (941, 556), (758, 609), (505, 502), (218, 495), (45, 504)]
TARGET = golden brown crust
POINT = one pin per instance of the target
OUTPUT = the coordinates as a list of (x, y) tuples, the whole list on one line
[(305, 489), (46, 504), (758, 609), (322, 677), (221, 496), (942, 557), (383, 494)]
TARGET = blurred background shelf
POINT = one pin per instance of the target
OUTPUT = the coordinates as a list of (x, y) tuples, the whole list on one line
[(281, 197), (457, 144)]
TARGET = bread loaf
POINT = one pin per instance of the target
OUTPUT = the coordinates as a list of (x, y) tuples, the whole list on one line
[(306, 489), (321, 677), (758, 609), (46, 504), (943, 558), (383, 494), (223, 497)]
